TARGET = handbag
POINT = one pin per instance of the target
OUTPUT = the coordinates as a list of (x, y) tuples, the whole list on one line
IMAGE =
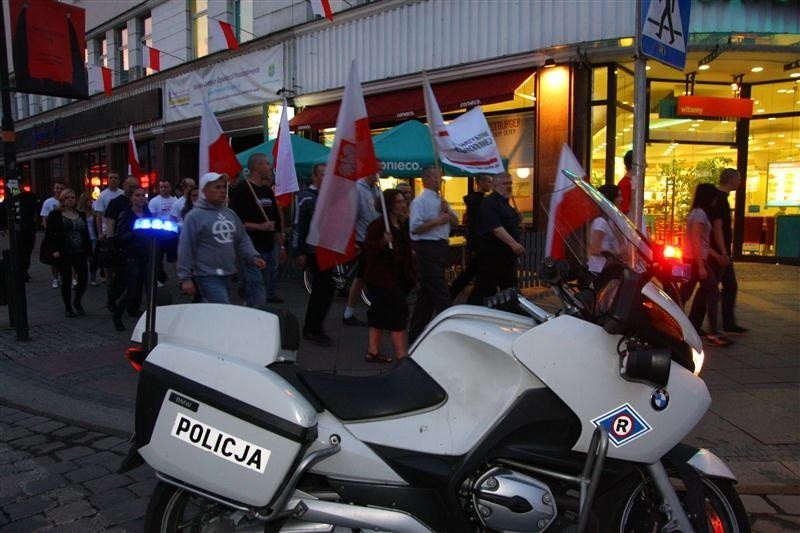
[(46, 251), (109, 254)]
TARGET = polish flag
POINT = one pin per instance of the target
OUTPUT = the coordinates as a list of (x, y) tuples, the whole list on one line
[(133, 156), (100, 77), (283, 157), (322, 8), (352, 157), (151, 58), (467, 142), (221, 36), (570, 208), (216, 154)]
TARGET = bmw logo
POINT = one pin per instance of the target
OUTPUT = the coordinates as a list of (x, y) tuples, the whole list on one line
[(659, 399)]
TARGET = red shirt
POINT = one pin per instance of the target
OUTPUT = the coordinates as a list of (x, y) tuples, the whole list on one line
[(625, 189)]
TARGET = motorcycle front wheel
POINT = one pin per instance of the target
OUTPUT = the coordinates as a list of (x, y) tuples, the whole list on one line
[(724, 511)]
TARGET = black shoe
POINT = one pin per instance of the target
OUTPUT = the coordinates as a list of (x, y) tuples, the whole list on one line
[(736, 329), (319, 337), (118, 325), (69, 313), (275, 300), (79, 310), (702, 332), (353, 321)]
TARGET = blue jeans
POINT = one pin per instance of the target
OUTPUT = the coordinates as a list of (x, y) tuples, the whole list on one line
[(257, 282), (214, 289)]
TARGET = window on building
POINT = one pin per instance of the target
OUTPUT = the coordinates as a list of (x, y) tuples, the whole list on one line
[(200, 28), (103, 48), (146, 31), (123, 60)]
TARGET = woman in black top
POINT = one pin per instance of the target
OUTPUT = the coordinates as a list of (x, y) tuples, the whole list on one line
[(68, 230), (136, 257)]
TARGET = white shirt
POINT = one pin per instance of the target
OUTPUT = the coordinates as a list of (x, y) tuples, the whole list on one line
[(425, 207), (609, 244), (161, 207), (101, 204), (177, 207), (48, 206)]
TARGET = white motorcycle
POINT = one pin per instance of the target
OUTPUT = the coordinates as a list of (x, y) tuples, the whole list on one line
[(519, 421)]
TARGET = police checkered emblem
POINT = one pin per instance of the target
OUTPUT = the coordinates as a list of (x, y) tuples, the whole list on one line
[(623, 424)]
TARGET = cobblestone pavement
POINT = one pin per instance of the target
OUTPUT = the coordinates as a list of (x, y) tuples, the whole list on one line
[(61, 477)]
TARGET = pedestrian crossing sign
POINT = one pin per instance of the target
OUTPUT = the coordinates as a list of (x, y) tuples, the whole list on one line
[(665, 31)]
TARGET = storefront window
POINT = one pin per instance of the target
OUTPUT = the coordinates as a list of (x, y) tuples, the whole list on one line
[(123, 63), (772, 201), (92, 170)]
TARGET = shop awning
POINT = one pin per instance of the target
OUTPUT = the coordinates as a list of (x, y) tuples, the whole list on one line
[(306, 154), (409, 103)]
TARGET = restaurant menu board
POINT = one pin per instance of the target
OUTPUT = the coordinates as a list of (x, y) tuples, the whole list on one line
[(783, 185)]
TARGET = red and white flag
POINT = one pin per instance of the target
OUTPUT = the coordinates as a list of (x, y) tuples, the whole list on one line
[(283, 158), (467, 142), (221, 36), (351, 158), (570, 208), (216, 154), (151, 58), (133, 155), (322, 8), (100, 77)]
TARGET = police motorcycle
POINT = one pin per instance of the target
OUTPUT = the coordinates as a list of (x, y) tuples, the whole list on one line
[(522, 421)]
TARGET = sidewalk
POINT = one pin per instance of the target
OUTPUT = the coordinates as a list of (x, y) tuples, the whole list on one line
[(73, 371)]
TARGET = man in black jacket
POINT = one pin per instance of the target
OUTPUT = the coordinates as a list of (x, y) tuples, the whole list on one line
[(322, 286), (483, 185)]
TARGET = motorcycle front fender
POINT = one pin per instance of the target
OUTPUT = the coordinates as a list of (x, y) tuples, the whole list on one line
[(703, 461)]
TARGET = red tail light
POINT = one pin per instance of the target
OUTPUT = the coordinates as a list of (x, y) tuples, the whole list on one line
[(135, 356)]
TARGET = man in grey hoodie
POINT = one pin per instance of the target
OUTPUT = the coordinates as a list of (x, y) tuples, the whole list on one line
[(212, 242)]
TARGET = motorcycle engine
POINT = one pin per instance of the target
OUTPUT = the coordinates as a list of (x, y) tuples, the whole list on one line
[(505, 500)]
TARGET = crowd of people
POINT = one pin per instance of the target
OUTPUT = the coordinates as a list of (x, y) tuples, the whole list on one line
[(236, 233)]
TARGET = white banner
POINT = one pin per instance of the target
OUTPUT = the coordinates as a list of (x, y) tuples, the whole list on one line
[(473, 147), (250, 79)]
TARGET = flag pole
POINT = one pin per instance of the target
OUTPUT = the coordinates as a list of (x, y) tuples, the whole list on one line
[(385, 214), (436, 159)]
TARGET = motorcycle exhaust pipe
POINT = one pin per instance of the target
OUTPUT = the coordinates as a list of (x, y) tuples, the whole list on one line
[(357, 517)]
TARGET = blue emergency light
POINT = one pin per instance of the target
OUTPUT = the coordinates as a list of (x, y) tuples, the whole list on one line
[(156, 226)]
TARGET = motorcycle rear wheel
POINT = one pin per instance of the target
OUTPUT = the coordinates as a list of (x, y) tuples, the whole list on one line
[(172, 510), (724, 510)]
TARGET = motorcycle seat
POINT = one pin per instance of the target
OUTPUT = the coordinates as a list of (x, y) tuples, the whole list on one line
[(405, 388)]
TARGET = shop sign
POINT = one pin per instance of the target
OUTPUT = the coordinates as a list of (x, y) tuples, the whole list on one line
[(513, 134), (238, 82), (783, 184), (714, 107)]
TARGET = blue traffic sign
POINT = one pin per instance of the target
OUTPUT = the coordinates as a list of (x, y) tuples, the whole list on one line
[(665, 31)]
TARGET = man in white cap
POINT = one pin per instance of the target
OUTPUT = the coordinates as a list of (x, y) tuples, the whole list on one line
[(212, 243)]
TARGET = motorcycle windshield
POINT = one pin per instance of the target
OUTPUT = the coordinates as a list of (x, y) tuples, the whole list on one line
[(577, 212)]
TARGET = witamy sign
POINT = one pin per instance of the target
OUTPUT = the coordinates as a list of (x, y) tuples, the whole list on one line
[(223, 445)]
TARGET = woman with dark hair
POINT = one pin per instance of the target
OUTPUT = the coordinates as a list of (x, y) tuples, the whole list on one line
[(703, 258), (68, 230), (389, 276), (602, 241), (136, 257)]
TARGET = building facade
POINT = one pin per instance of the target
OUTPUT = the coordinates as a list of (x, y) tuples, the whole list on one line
[(546, 72)]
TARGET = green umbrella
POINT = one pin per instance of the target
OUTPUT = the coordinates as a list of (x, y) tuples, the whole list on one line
[(406, 148), (306, 154)]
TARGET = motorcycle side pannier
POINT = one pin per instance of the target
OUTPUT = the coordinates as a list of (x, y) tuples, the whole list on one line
[(224, 425)]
